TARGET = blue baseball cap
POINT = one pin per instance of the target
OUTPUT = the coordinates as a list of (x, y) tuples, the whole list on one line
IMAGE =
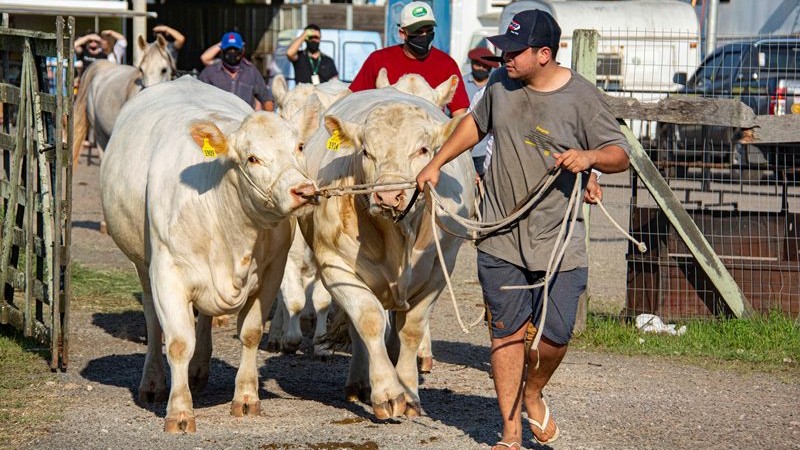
[(531, 28), (231, 39)]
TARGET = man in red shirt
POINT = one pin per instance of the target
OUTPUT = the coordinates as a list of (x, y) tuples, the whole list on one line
[(415, 55)]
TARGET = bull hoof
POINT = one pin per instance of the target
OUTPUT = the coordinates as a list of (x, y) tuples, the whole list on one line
[(322, 353), (273, 346), (413, 409), (153, 396), (392, 408), (246, 408), (289, 348), (183, 423), (355, 393), (425, 364)]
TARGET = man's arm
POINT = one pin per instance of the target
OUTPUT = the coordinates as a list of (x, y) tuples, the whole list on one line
[(83, 40), (465, 136), (608, 159), (291, 52), (116, 35), (178, 38), (210, 54)]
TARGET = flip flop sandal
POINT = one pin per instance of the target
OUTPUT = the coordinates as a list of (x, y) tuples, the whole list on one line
[(543, 427), (513, 445)]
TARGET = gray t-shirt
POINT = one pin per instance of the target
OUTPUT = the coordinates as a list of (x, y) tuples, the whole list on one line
[(573, 116)]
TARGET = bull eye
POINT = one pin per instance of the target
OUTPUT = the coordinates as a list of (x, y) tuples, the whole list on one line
[(252, 159), (424, 150), (301, 147), (164, 70)]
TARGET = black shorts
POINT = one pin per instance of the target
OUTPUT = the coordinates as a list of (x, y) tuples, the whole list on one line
[(510, 310)]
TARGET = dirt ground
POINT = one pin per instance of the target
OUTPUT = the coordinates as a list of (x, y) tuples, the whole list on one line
[(599, 400)]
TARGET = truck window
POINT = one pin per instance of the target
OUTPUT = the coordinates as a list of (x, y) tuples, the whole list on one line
[(717, 68), (779, 58), (353, 56)]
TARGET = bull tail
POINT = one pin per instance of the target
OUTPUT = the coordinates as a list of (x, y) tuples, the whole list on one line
[(80, 113), (337, 338)]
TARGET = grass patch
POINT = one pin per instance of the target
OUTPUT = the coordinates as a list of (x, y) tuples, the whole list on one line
[(26, 398), (105, 290), (766, 343)]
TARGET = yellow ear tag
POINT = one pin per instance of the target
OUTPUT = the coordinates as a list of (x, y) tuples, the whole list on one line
[(208, 150), (334, 142)]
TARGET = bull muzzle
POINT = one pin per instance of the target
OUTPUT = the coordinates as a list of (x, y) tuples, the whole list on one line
[(303, 194)]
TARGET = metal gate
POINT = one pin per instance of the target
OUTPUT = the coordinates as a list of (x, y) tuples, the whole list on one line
[(35, 184)]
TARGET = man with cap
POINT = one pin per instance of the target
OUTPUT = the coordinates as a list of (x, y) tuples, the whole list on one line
[(237, 75), (310, 65), (474, 82), (415, 55), (543, 116)]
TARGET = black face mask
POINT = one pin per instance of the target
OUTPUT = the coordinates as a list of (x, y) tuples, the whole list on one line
[(312, 46), (480, 74), (232, 57), (420, 45)]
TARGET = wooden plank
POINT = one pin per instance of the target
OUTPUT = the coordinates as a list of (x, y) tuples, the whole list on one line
[(41, 45), (7, 142), (774, 130), (686, 228), (685, 110), (584, 57), (9, 94)]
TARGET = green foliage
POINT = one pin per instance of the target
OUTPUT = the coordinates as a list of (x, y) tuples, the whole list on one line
[(25, 397), (105, 290), (764, 343)]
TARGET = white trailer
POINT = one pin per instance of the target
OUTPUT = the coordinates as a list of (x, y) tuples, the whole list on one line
[(642, 42)]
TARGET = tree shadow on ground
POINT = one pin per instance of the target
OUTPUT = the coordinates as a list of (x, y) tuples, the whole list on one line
[(127, 325), (324, 381)]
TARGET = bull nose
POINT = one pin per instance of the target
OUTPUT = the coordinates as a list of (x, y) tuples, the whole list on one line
[(303, 194), (390, 199)]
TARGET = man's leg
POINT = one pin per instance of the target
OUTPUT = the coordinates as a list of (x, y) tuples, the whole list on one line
[(508, 364), (550, 356)]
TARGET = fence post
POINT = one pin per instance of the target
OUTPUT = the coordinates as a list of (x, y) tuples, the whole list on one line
[(584, 61)]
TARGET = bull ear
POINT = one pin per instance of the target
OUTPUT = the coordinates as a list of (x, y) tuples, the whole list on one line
[(279, 89), (349, 133), (383, 79), (161, 41), (446, 91), (209, 139), (307, 119), (446, 129), (141, 43)]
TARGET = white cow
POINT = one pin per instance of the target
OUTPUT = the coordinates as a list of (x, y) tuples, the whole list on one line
[(196, 191), (302, 295), (368, 262), (415, 84)]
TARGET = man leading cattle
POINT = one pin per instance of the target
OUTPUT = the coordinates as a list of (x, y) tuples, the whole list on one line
[(530, 98)]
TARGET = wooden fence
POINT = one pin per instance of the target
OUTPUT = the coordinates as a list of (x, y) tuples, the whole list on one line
[(35, 185)]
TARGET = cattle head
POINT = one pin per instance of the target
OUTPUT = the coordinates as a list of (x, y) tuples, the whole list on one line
[(394, 144), (155, 63), (291, 102), (266, 154), (414, 84)]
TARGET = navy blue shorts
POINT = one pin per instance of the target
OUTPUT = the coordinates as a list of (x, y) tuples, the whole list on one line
[(510, 310)]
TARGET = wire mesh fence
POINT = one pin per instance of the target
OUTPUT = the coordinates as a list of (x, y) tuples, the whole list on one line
[(742, 193)]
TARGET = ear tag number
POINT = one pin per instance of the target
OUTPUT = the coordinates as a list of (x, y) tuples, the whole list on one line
[(208, 150), (334, 142)]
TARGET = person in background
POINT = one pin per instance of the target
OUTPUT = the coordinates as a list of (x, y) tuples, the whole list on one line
[(175, 39), (474, 82), (415, 55), (543, 116), (237, 75), (88, 49), (114, 45), (310, 65)]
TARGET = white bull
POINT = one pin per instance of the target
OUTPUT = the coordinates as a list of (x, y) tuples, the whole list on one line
[(302, 293), (196, 191), (368, 262)]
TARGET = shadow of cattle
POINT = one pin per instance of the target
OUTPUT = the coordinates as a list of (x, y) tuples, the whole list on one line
[(127, 325), (324, 381), (462, 354)]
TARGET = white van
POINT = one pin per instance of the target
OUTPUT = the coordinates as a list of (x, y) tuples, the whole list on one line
[(348, 48)]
